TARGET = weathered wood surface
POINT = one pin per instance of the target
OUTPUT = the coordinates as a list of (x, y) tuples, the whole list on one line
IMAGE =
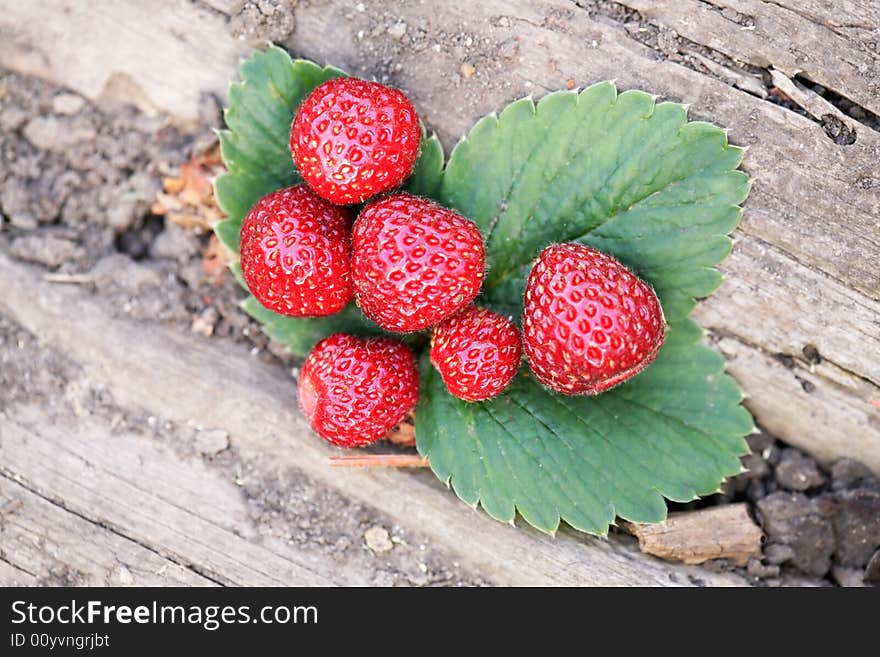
[(818, 39), (804, 270), (42, 539), (130, 494), (158, 55), (721, 532), (139, 491)]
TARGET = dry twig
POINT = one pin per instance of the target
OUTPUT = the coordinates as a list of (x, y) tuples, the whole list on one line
[(721, 532), (379, 461)]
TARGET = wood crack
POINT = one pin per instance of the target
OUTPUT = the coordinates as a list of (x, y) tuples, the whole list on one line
[(803, 263), (797, 359), (15, 566), (834, 27), (847, 106), (754, 80), (729, 13), (59, 504)]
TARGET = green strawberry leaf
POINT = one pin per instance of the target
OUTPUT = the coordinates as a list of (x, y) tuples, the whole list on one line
[(634, 179), (256, 151), (301, 334), (427, 175)]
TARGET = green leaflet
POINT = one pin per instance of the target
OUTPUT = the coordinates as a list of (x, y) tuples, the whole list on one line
[(427, 175), (615, 171)]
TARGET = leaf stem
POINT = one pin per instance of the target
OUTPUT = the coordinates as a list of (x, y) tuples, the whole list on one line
[(379, 461)]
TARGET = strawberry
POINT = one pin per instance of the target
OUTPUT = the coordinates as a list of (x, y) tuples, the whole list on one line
[(477, 352), (355, 390), (414, 262), (352, 139), (295, 253), (589, 323)]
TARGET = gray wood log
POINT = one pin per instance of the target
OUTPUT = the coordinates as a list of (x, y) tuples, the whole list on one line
[(42, 536), (820, 40)]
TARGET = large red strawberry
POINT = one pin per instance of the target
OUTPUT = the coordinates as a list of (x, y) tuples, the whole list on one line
[(477, 352), (589, 323), (295, 253), (414, 263), (352, 139), (354, 390)]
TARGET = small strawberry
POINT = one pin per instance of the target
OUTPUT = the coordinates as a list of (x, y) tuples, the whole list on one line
[(352, 139), (589, 323), (295, 253), (414, 263), (477, 352), (355, 390)]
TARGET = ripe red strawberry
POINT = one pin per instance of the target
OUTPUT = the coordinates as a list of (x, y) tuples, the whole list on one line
[(295, 253), (354, 390), (414, 263), (352, 139), (477, 352), (589, 323)]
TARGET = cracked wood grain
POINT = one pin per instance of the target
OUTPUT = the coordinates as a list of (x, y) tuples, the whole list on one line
[(136, 491), (43, 542), (819, 408), (811, 102), (839, 15), (783, 35), (840, 323), (12, 574)]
